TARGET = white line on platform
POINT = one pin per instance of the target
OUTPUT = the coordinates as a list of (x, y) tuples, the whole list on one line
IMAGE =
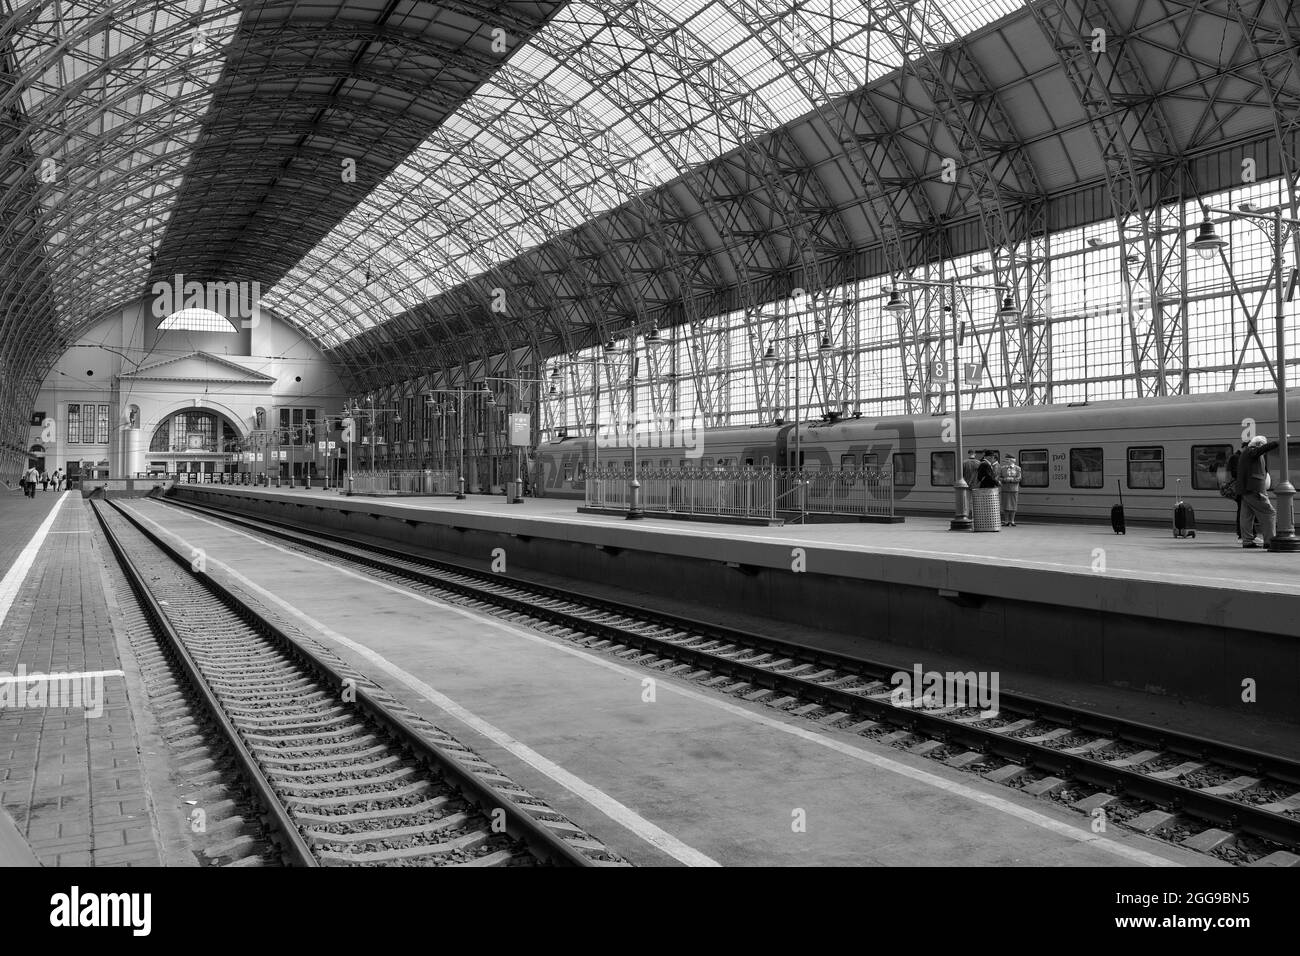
[(58, 675), (953, 787), (17, 573), (620, 813)]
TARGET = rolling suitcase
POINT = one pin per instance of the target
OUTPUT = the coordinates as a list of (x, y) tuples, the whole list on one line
[(1184, 515), (1117, 512)]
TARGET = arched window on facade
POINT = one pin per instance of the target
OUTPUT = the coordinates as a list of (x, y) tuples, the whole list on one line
[(193, 430)]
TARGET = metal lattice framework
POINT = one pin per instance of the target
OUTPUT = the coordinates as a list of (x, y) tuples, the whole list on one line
[(433, 191)]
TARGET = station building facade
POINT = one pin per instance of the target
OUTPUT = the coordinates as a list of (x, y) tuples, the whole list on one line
[(193, 393)]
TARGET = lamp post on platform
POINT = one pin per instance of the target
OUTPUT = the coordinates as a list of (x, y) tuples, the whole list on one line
[(460, 394), (961, 521), (655, 341), (1279, 228), (356, 411), (517, 383)]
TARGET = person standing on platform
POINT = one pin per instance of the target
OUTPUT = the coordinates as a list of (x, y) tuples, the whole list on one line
[(1010, 480), (970, 474), (986, 475), (1253, 478), (33, 476), (45, 481), (1229, 480)]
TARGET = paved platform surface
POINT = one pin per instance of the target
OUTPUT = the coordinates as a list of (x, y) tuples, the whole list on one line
[(689, 778), (1213, 558), (1208, 580), (19, 519), (70, 769)]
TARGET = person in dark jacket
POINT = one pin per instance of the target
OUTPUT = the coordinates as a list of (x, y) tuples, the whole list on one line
[(987, 473), (970, 474), (1230, 474), (1252, 477)]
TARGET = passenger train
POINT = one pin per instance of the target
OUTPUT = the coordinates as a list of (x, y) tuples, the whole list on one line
[(1074, 457)]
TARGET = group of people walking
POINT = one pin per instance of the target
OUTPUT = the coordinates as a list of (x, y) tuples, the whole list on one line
[(990, 472), (32, 477), (1245, 479)]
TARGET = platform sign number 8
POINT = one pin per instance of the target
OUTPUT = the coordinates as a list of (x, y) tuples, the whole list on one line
[(1247, 429), (47, 431)]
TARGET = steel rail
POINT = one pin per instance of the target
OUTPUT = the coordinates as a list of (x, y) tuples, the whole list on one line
[(282, 830), (544, 843), (1217, 809)]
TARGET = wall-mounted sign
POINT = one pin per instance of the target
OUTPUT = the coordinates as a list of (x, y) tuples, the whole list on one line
[(194, 440), (520, 432), (38, 419)]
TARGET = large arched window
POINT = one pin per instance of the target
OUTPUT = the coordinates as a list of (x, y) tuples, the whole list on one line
[(196, 320), (193, 431)]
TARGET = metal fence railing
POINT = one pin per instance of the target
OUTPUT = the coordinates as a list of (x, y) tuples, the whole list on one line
[(406, 482), (859, 493), (746, 492)]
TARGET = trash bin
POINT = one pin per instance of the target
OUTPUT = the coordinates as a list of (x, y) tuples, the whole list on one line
[(988, 516), (515, 491)]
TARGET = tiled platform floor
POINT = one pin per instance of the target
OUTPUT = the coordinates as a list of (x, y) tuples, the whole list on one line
[(70, 776)]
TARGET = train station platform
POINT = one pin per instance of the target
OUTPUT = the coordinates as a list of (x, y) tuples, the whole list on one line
[(1199, 619), (686, 777), (73, 788)]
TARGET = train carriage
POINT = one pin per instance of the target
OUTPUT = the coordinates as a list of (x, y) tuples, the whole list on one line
[(1072, 456)]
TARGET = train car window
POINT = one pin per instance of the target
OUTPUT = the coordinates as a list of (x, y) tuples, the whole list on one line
[(1033, 467), (1146, 467), (665, 463), (627, 464), (582, 471), (941, 469), (1086, 467), (767, 461), (1210, 466), (646, 464), (904, 469), (848, 462), (568, 472), (749, 463), (870, 462)]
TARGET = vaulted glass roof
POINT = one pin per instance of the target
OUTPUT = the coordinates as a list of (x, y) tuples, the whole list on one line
[(603, 104)]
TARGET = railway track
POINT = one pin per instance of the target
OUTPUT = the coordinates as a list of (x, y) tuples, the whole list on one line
[(224, 824), (341, 775), (1237, 804)]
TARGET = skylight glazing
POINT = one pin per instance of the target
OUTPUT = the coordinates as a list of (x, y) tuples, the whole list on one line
[(604, 103), (114, 95)]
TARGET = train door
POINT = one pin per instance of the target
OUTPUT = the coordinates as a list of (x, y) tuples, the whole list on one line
[(785, 448)]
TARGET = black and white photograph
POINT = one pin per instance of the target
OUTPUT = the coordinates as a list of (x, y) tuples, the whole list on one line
[(647, 435)]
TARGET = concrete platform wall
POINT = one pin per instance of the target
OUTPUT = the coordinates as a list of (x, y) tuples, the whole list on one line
[(1162, 638)]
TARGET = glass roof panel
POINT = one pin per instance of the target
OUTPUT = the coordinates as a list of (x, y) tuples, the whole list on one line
[(587, 114), (107, 95)]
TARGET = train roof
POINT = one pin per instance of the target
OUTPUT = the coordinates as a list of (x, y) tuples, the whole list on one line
[(1167, 410)]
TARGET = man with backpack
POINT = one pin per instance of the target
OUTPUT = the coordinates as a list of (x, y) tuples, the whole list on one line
[(1253, 482), (1230, 487)]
